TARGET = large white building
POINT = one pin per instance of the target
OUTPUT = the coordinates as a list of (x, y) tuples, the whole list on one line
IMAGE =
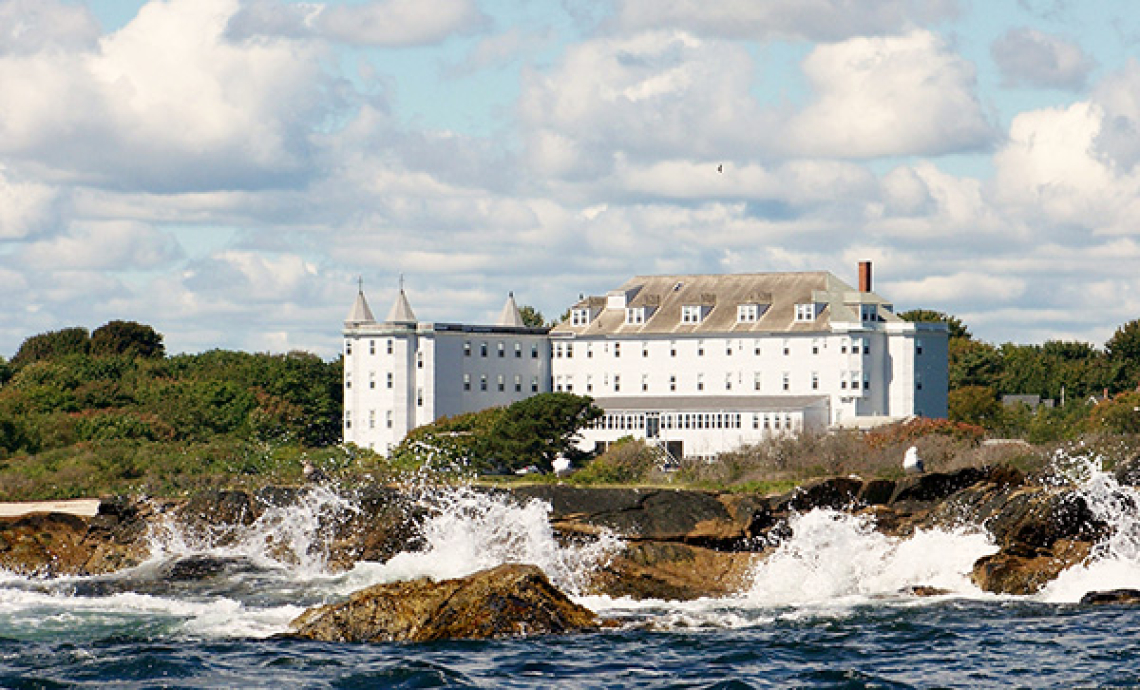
[(699, 364)]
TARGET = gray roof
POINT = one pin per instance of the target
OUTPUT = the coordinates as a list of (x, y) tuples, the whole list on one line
[(401, 311), (510, 315), (360, 313), (710, 403), (776, 294)]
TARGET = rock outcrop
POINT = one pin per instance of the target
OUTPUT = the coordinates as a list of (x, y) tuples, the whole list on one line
[(509, 600)]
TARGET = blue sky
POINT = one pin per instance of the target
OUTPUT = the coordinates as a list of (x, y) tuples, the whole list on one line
[(224, 170)]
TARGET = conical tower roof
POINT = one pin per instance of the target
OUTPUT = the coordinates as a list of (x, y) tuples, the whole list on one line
[(401, 311), (360, 313), (510, 315)]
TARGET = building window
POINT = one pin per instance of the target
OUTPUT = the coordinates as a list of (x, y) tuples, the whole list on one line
[(347, 419), (918, 382), (787, 348), (869, 312), (371, 379), (371, 347), (569, 350), (617, 350), (579, 317), (348, 380), (842, 347), (372, 419), (589, 383), (569, 383), (534, 384), (672, 348), (467, 382), (645, 349), (467, 348), (786, 383), (691, 313), (756, 348), (700, 382), (534, 351), (482, 382), (815, 346), (390, 345), (747, 313), (700, 348), (634, 316), (756, 381), (388, 418), (645, 383), (419, 397), (728, 382), (502, 384), (918, 347), (518, 351), (390, 382), (419, 359), (483, 349), (617, 383), (502, 350), (805, 312), (348, 347), (728, 348), (815, 380), (589, 351), (518, 383)]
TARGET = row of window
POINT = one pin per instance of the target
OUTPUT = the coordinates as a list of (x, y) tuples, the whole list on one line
[(388, 377), (694, 420), (389, 345), (847, 380), (856, 346), (696, 313), (500, 349), (501, 383)]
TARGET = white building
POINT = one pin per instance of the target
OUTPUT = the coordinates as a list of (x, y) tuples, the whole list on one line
[(706, 363), (401, 373), (698, 363)]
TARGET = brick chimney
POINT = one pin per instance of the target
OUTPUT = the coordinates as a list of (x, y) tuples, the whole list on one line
[(864, 276)]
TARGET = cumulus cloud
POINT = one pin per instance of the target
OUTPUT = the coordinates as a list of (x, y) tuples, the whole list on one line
[(1119, 138), (825, 20), (1028, 57), (118, 245), (651, 96), (503, 48), (896, 95), (376, 23), (34, 26), (166, 103), (26, 208)]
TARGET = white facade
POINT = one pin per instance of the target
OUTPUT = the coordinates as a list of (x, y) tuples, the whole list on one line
[(401, 373), (700, 364)]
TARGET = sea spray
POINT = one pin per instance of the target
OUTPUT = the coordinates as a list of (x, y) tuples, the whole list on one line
[(835, 557), (1114, 562), (466, 530)]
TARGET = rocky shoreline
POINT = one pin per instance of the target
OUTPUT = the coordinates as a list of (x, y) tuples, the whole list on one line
[(678, 544)]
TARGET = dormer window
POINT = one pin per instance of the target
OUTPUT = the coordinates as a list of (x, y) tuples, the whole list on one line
[(691, 313), (580, 317), (634, 316), (868, 312), (805, 312), (747, 313)]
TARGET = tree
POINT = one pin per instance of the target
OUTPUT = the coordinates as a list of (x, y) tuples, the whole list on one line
[(531, 316), (1124, 349), (974, 363), (954, 325), (974, 405), (51, 345), (127, 338), (538, 429)]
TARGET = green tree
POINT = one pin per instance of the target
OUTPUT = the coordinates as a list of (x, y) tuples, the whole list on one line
[(974, 363), (1124, 350), (127, 338), (954, 325), (975, 405), (1120, 415), (52, 345), (531, 316), (537, 430)]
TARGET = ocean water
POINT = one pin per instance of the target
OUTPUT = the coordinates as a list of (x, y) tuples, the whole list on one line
[(828, 609)]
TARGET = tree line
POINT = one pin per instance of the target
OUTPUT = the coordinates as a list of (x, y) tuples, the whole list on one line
[(72, 386), (1085, 388)]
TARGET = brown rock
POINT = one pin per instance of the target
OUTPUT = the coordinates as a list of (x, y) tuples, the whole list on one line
[(672, 571), (508, 600), (1112, 596), (1007, 573)]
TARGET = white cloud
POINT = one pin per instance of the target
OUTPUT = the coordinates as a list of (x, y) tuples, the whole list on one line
[(1028, 57), (118, 245), (1119, 137), (503, 48), (826, 20), (26, 208), (897, 95), (398, 22), (35, 26), (166, 103)]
